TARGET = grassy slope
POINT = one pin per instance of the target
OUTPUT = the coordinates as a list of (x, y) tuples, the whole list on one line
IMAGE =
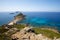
[(47, 33), (19, 26)]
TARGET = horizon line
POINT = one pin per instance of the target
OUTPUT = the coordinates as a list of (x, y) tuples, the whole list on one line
[(29, 11)]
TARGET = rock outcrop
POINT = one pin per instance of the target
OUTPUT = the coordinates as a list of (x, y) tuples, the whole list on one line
[(28, 34)]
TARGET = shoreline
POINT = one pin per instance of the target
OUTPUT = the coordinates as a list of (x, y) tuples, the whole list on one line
[(12, 22)]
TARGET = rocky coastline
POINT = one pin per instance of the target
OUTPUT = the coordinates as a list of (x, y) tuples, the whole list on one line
[(13, 31)]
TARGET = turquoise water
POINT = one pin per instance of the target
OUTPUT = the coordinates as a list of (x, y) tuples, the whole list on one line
[(34, 18)]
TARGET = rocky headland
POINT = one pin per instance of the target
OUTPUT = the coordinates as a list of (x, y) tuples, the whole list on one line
[(14, 31)]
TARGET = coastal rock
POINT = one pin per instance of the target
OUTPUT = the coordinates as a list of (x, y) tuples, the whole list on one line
[(11, 31), (25, 35)]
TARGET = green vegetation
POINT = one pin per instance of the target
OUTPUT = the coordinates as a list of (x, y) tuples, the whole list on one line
[(2, 30), (6, 37), (48, 33), (20, 15), (19, 26), (38, 30), (2, 35)]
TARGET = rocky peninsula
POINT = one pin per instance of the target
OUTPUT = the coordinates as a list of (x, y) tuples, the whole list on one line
[(17, 18)]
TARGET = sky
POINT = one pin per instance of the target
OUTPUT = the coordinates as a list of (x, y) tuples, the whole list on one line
[(30, 5)]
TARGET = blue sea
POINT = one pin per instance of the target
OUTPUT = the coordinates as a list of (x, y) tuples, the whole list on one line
[(34, 18)]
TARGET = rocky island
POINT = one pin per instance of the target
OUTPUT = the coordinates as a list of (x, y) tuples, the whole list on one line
[(13, 31)]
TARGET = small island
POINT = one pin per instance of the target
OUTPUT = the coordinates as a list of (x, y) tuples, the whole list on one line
[(14, 31), (11, 13)]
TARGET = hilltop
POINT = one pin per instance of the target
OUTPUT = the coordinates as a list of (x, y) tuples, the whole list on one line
[(21, 32)]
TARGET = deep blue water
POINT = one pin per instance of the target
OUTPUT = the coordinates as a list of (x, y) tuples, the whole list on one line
[(6, 17), (34, 18)]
